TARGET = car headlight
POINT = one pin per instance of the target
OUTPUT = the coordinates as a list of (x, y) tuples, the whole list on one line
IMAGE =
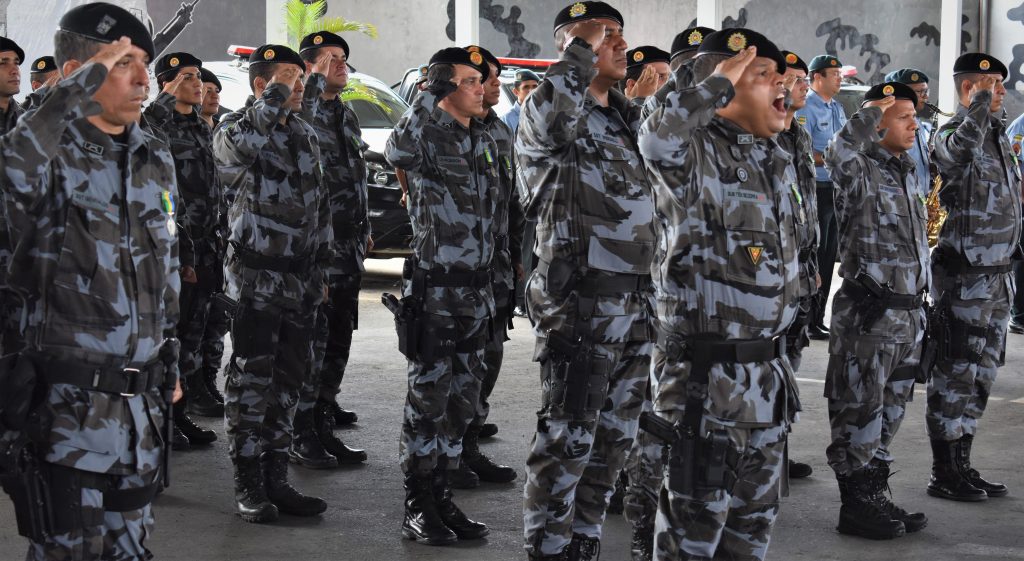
[(380, 178)]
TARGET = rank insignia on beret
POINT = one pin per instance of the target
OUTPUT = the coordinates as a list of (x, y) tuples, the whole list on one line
[(41, 65), (915, 77), (638, 56), (695, 38), (519, 76), (473, 49), (755, 254), (174, 62), (105, 25), (578, 9), (318, 39), (737, 42), (791, 58), (802, 120), (984, 64), (888, 90), (834, 62), (269, 54), (476, 58)]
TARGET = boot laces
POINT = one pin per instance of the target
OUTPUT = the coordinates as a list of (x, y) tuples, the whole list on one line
[(590, 548)]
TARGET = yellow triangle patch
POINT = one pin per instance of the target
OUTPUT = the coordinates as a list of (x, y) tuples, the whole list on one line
[(755, 253)]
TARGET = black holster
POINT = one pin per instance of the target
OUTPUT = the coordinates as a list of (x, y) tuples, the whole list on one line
[(29, 490), (20, 391), (575, 383), (696, 465)]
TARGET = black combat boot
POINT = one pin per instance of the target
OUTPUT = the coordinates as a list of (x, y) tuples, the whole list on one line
[(451, 515), (799, 470), (285, 497), (324, 423), (912, 521), (583, 548), (863, 512), (251, 500), (463, 477), (197, 435), (342, 417), (642, 548), (306, 449), (422, 521), (210, 378), (483, 466), (488, 430), (963, 460), (947, 482), (200, 401), (179, 442)]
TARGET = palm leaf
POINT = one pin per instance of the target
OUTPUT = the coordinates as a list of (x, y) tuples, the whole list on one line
[(356, 90), (340, 25), (299, 17)]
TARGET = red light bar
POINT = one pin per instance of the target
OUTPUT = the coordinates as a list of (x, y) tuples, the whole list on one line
[(241, 51), (527, 62)]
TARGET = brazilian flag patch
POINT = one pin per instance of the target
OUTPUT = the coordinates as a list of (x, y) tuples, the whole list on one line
[(167, 202)]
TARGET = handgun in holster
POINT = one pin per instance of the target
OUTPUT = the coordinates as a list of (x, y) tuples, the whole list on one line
[(406, 312), (871, 308), (29, 490), (571, 370)]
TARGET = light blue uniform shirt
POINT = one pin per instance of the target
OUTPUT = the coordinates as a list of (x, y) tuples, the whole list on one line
[(512, 117), (920, 156), (823, 120), (1016, 134)]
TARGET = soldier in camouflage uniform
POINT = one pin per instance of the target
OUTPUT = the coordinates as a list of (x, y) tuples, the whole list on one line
[(508, 222), (878, 315), (96, 264), (972, 287), (590, 297), (341, 149), (174, 114), (43, 70), (727, 293), (452, 166), (11, 57), (279, 236)]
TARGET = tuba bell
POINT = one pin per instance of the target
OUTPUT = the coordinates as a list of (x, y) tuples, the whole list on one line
[(936, 214)]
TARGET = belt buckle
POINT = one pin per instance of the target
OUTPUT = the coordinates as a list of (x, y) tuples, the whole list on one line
[(129, 383)]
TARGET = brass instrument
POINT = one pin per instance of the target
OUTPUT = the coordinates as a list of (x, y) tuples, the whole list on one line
[(936, 214)]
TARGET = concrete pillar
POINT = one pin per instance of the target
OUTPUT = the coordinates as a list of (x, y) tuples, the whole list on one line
[(276, 33), (949, 50), (709, 13), (467, 22)]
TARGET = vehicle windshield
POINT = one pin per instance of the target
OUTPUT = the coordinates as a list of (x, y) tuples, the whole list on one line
[(375, 116)]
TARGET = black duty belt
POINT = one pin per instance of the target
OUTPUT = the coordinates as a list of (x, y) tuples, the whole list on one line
[(119, 380), (957, 264), (713, 350), (119, 500), (455, 278), (253, 260), (612, 283), (888, 300)]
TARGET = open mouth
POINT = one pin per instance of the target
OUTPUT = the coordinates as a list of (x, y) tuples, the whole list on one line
[(780, 104)]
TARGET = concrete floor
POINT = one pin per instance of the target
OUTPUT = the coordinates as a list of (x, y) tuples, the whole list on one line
[(195, 519)]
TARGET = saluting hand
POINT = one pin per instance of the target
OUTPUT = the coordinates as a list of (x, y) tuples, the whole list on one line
[(322, 64), (986, 82), (287, 74), (645, 85), (111, 53), (591, 31), (788, 81), (734, 67), (884, 104), (172, 86)]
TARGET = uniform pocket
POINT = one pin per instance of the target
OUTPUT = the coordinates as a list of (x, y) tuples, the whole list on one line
[(753, 253)]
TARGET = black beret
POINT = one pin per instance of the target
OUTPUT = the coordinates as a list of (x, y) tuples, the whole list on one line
[(271, 54), (458, 55), (732, 41), (581, 11), (9, 45), (794, 61), (525, 76), (43, 64), (209, 77), (487, 55), (907, 76), (323, 39), (689, 40), (645, 54), (979, 63), (895, 89), (822, 62), (171, 62), (107, 23)]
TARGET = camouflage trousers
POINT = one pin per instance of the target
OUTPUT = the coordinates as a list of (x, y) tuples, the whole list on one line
[(217, 325), (336, 319), (494, 354), (867, 394), (797, 338), (195, 308), (97, 534), (442, 400), (959, 388), (271, 359), (574, 459), (733, 523), (645, 464)]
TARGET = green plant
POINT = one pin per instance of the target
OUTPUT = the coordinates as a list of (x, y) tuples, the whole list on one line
[(301, 19)]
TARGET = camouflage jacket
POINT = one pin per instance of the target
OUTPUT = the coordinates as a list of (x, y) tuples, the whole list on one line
[(682, 75), (453, 205), (731, 267), (509, 220), (7, 122), (279, 207), (981, 184), (341, 150), (97, 265), (797, 142), (199, 211), (588, 190)]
